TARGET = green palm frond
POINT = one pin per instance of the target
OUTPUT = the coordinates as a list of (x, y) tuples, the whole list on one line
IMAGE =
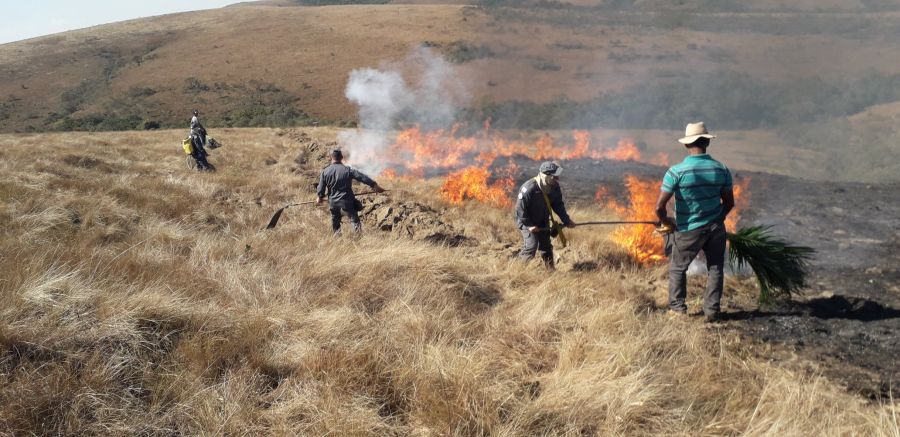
[(780, 267)]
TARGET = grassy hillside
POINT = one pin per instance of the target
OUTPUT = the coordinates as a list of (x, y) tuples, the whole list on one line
[(267, 65), (140, 298), (250, 65), (798, 77)]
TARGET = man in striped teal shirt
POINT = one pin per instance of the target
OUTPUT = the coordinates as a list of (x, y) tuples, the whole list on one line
[(703, 193)]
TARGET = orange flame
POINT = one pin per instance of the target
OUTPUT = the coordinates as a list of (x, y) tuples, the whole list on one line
[(741, 200), (392, 174), (625, 151), (435, 149), (639, 241), (414, 152), (472, 183), (415, 149)]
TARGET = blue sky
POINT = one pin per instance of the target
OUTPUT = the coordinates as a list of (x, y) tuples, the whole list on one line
[(22, 19)]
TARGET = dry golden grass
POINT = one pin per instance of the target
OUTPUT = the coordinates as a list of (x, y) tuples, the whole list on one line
[(139, 298)]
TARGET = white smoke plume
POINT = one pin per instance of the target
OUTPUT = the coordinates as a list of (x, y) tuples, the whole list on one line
[(386, 100)]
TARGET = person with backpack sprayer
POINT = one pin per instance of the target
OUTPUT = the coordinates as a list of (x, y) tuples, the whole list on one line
[(198, 139), (538, 198), (338, 178)]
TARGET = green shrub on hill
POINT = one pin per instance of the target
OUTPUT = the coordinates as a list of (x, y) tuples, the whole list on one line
[(266, 104), (192, 85), (545, 65), (257, 115), (126, 111), (251, 104), (6, 108), (141, 92), (576, 45), (72, 99), (98, 122), (150, 125), (459, 52)]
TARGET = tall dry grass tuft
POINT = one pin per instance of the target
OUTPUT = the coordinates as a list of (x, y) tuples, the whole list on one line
[(139, 298)]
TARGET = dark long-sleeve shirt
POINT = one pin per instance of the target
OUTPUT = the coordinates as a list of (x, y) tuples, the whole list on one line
[(337, 179), (198, 132), (195, 123), (531, 209)]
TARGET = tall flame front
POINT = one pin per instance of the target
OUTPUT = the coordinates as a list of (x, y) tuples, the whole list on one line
[(469, 159)]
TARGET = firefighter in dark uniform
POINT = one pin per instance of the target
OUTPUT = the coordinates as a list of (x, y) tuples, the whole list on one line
[(337, 179), (198, 139), (533, 215)]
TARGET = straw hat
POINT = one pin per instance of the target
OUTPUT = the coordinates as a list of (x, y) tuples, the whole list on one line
[(694, 131)]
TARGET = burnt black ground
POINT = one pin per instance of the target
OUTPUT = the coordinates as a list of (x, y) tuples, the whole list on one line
[(846, 325)]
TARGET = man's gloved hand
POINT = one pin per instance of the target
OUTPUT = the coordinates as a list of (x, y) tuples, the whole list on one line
[(377, 188), (320, 201), (534, 229)]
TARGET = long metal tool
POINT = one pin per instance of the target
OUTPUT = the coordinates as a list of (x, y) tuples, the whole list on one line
[(620, 223), (607, 223), (274, 220)]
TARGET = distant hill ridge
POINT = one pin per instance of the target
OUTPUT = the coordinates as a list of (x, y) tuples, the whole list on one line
[(259, 65), (800, 72)]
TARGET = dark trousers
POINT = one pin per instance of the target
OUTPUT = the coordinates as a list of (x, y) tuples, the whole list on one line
[(337, 211), (199, 153), (685, 247), (539, 243)]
